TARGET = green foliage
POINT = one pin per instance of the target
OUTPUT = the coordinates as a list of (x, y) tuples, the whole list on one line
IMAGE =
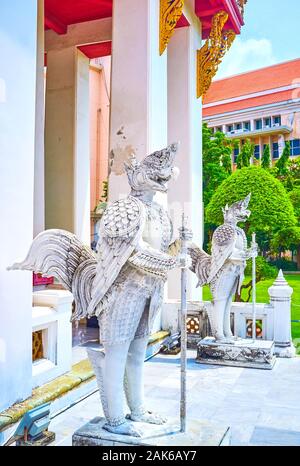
[(264, 271), (217, 151), (291, 179), (271, 208), (266, 158), (295, 200), (285, 239), (245, 155), (283, 163), (227, 163), (285, 264)]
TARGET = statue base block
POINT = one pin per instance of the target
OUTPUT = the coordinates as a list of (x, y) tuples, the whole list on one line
[(198, 433), (258, 354)]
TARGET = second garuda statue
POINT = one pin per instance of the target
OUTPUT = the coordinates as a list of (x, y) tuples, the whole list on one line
[(223, 270), (122, 284)]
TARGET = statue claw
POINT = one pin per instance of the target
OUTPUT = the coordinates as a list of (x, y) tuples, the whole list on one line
[(148, 417), (127, 428)]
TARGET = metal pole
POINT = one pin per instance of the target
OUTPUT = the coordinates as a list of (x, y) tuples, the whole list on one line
[(253, 243), (183, 331)]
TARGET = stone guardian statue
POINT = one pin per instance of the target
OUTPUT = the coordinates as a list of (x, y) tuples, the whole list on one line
[(223, 270), (122, 283)]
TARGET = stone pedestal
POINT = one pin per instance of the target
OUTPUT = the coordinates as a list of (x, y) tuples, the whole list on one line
[(258, 354), (199, 433)]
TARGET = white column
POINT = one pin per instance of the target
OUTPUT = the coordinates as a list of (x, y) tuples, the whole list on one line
[(280, 297), (139, 87), (39, 165), (184, 125), (67, 154), (18, 38)]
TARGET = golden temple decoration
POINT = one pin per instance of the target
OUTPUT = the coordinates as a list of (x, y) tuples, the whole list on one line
[(211, 54), (37, 346), (170, 13)]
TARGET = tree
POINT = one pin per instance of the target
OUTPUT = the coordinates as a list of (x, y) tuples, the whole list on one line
[(217, 151), (291, 178), (295, 200), (227, 163), (263, 272), (283, 163), (245, 155), (266, 158), (271, 208)]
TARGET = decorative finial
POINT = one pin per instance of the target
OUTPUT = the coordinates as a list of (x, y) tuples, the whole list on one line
[(280, 280)]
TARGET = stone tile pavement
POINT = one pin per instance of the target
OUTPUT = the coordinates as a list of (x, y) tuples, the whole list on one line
[(262, 407)]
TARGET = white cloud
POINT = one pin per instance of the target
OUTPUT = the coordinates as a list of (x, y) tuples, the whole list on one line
[(245, 56)]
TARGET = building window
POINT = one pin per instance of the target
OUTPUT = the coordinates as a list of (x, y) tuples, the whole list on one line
[(238, 126), (247, 125), (295, 147), (275, 150), (258, 124), (219, 128), (267, 121), (229, 128), (277, 120), (257, 151)]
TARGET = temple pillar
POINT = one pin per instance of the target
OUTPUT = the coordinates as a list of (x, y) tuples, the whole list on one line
[(184, 125), (39, 152), (18, 38), (67, 145), (138, 88)]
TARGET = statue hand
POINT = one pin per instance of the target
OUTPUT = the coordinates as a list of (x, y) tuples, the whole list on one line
[(184, 261), (185, 234), (253, 251)]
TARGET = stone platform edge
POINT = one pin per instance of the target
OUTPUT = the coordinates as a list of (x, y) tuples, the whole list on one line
[(80, 373)]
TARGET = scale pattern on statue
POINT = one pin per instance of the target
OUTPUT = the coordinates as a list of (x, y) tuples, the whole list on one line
[(224, 234), (122, 217)]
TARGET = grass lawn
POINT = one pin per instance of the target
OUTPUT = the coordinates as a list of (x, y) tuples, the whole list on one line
[(263, 297)]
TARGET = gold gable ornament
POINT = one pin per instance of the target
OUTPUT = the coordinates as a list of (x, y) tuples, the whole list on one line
[(211, 54), (170, 13)]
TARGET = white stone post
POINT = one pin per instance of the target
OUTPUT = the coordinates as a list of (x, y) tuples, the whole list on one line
[(280, 297), (138, 87), (18, 39), (67, 153), (185, 126)]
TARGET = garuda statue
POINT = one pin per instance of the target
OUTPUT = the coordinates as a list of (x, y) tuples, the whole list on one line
[(223, 270), (122, 283)]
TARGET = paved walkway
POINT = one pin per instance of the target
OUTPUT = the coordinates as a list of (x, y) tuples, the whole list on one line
[(262, 407)]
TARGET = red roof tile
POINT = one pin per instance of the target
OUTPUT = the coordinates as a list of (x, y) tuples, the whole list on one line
[(271, 77)]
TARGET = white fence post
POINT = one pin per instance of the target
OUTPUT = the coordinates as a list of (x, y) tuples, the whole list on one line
[(280, 297)]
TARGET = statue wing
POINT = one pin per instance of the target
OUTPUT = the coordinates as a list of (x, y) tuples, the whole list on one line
[(60, 254), (120, 231), (200, 263), (223, 241)]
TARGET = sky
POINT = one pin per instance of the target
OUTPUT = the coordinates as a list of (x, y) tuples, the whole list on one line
[(271, 35)]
